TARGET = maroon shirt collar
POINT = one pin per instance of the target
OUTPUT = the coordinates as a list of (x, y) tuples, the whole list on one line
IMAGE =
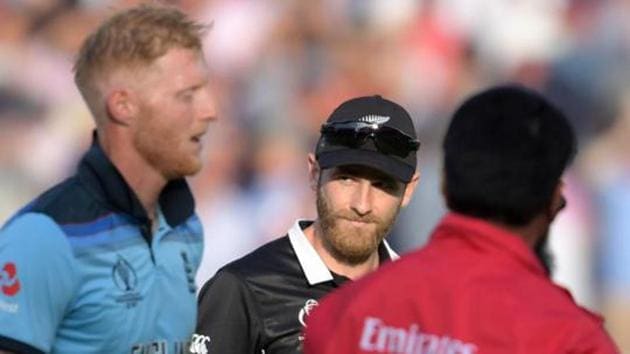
[(489, 236)]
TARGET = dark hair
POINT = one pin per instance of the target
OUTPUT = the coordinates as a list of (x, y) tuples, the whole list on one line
[(504, 153)]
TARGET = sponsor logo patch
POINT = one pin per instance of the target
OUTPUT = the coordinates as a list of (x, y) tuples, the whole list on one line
[(198, 344), (9, 282), (161, 347), (309, 305), (158, 347), (378, 337), (9, 307)]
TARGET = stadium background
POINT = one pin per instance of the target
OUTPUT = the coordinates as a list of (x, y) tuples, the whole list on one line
[(280, 67)]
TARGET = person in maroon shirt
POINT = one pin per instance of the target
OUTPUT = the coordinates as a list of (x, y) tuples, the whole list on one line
[(482, 284)]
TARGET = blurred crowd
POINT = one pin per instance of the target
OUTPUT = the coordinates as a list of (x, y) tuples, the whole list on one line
[(279, 69)]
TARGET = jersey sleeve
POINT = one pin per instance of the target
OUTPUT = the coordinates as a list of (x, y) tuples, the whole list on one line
[(36, 282), (227, 321)]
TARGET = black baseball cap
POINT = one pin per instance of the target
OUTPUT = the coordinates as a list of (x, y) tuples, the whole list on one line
[(376, 113)]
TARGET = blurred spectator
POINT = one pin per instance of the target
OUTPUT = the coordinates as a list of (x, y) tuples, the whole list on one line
[(607, 167)]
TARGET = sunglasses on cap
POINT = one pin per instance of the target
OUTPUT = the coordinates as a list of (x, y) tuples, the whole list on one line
[(353, 134)]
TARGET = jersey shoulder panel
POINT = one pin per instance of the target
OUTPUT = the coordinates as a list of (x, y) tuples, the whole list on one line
[(276, 257), (69, 202), (36, 235), (228, 317)]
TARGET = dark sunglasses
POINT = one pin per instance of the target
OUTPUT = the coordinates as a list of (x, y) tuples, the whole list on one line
[(353, 134)]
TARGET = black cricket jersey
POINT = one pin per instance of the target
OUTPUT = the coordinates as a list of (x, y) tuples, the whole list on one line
[(259, 303)]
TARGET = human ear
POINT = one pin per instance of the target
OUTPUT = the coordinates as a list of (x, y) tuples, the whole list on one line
[(121, 107), (558, 201), (313, 171), (410, 188)]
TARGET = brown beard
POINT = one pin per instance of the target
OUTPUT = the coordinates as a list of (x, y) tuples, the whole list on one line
[(160, 150), (350, 246)]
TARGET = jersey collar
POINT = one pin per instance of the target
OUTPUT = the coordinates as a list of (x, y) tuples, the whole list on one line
[(489, 238), (100, 175), (312, 265)]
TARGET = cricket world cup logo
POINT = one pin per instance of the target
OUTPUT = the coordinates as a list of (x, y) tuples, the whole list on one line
[(126, 279)]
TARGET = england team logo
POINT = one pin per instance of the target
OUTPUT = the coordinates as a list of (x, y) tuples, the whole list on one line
[(190, 272)]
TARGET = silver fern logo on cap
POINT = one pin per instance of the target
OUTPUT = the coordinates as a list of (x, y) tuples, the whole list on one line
[(374, 119)]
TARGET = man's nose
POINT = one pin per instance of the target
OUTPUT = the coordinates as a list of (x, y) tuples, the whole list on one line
[(361, 201), (207, 109)]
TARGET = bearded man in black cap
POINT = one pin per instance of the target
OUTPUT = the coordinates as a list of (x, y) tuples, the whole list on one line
[(362, 172)]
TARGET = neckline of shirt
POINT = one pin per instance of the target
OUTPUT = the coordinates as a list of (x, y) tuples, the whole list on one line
[(314, 268)]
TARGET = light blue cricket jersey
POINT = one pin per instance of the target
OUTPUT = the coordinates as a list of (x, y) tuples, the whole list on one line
[(80, 271)]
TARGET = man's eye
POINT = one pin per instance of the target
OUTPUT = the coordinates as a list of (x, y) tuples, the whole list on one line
[(386, 185), (380, 185)]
